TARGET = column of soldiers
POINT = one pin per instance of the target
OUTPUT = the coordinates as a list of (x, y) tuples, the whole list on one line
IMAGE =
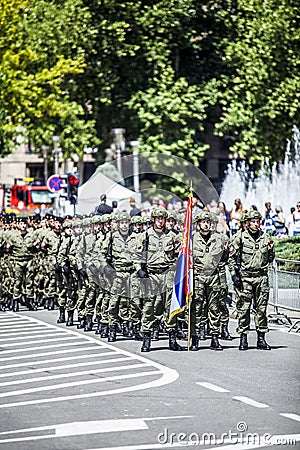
[(117, 272)]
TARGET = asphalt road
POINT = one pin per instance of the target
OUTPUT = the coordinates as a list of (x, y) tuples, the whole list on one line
[(61, 388)]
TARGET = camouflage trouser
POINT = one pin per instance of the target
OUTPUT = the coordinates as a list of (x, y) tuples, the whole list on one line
[(8, 276), (157, 306), (119, 298), (83, 288), (207, 289), (135, 302), (21, 278), (91, 297), (256, 292), (50, 289)]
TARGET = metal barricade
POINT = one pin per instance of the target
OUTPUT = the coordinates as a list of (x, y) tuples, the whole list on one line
[(285, 288)]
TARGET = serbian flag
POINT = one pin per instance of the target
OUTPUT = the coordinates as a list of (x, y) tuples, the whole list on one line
[(183, 281)]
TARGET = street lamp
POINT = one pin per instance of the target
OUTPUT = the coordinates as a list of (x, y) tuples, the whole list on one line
[(136, 170), (56, 152), (45, 150), (119, 140)]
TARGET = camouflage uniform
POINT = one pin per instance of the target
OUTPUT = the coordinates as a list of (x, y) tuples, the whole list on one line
[(209, 250), (249, 262)]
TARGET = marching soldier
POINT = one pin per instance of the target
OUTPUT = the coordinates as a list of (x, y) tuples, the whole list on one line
[(157, 276), (249, 262), (209, 250)]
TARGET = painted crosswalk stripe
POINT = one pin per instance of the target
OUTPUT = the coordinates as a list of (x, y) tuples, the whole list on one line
[(38, 355), (212, 387), (53, 368), (87, 382), (42, 341), (251, 402), (30, 332), (291, 416), (63, 375), (4, 328), (47, 333), (99, 354), (30, 349)]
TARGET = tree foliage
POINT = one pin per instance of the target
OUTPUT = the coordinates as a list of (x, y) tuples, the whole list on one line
[(163, 70)]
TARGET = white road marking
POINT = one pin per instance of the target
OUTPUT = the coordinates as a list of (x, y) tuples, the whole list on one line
[(251, 402), (100, 354), (163, 375), (30, 349), (38, 355), (212, 387), (47, 333), (94, 394), (30, 332), (75, 374), (291, 416), (42, 341), (83, 428), (4, 328)]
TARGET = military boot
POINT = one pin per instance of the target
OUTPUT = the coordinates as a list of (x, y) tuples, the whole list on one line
[(2, 306), (261, 342), (173, 344), (98, 329), (15, 305), (70, 320), (195, 344), (88, 323), (202, 333), (180, 333), (112, 334), (81, 323), (155, 334), (215, 345), (104, 330), (31, 305), (137, 333), (62, 316), (225, 333), (50, 304), (243, 342), (146, 342), (125, 329)]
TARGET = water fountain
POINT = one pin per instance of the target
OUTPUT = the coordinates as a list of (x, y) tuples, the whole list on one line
[(279, 183)]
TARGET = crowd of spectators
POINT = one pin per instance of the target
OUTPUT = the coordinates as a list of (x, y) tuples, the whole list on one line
[(274, 220)]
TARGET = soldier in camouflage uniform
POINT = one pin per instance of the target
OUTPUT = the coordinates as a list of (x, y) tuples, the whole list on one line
[(118, 249), (157, 277), (209, 250), (248, 264), (20, 246), (63, 267)]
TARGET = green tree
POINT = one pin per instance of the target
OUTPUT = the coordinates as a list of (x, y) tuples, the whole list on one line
[(40, 54), (259, 90)]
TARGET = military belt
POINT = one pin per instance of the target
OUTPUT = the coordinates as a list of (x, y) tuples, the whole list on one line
[(156, 271), (254, 273), (129, 269)]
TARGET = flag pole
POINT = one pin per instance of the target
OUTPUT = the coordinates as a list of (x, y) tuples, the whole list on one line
[(190, 300)]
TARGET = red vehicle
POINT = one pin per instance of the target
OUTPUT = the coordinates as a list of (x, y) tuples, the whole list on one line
[(27, 199)]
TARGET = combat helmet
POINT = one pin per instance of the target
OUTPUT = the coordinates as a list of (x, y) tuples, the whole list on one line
[(172, 215), (254, 215), (203, 215), (123, 216), (160, 211), (136, 219)]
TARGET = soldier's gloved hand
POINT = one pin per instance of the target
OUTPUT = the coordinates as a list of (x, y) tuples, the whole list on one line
[(236, 281), (56, 267), (142, 273)]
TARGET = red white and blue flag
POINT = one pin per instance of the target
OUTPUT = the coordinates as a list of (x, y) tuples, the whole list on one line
[(183, 281)]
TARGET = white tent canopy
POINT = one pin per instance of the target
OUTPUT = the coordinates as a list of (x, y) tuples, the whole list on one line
[(89, 194)]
